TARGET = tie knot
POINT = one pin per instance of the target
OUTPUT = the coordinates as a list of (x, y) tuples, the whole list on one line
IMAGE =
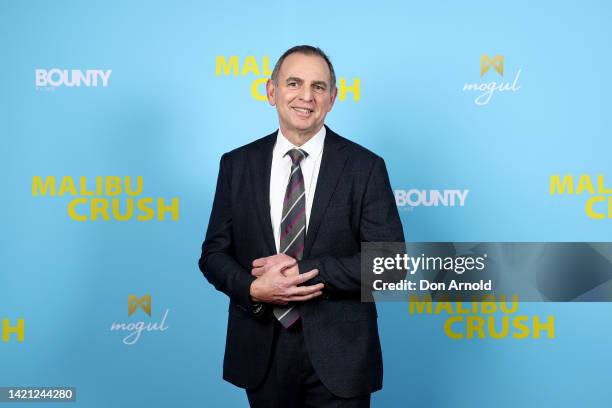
[(297, 155)]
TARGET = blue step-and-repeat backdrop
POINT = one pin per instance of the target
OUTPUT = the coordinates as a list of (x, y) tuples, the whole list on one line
[(493, 120)]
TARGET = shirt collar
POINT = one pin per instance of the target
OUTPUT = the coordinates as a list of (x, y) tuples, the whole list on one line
[(313, 147)]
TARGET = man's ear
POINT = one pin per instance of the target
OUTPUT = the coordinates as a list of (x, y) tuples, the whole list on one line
[(333, 95), (270, 92)]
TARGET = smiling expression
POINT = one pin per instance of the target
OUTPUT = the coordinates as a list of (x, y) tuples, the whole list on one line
[(303, 95)]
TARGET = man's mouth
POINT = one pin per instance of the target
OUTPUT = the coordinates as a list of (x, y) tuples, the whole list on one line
[(302, 111)]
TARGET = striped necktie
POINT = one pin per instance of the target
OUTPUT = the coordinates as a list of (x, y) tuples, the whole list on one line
[(293, 227)]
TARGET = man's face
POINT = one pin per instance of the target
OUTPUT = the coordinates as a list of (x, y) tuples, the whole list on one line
[(303, 94)]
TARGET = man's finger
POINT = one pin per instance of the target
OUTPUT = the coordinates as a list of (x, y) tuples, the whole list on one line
[(284, 264), (259, 262), (305, 297), (257, 271), (303, 277), (305, 290)]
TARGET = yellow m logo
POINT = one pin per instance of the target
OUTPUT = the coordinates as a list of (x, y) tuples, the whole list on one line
[(497, 62), (134, 303)]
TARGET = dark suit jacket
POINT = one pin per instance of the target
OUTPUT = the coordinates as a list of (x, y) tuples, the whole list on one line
[(353, 203)]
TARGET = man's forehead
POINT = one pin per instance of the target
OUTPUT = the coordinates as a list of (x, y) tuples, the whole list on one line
[(305, 66)]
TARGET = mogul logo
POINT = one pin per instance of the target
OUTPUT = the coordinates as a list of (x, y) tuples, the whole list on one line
[(409, 199), (598, 206), (15, 331), (497, 62), (102, 198), (136, 329), (231, 66), (485, 318), (487, 89), (134, 303), (56, 77)]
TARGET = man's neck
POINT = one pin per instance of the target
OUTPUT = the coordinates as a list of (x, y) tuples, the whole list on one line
[(298, 138)]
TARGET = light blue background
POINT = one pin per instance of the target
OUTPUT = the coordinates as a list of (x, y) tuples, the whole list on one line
[(167, 117)]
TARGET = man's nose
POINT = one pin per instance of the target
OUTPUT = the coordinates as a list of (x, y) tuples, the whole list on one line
[(306, 94)]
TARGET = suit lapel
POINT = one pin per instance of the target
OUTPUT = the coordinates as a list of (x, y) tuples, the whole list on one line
[(262, 166), (332, 163)]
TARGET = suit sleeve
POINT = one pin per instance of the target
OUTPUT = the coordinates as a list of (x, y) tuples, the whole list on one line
[(379, 222), (217, 262)]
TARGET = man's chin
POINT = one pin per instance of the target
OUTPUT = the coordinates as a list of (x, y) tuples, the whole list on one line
[(307, 128)]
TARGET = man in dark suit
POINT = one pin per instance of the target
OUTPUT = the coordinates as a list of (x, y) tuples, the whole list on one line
[(283, 242)]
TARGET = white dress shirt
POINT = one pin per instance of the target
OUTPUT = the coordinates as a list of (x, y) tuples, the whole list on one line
[(281, 169)]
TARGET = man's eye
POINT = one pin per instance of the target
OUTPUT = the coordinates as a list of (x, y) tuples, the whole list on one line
[(292, 84), (319, 88)]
